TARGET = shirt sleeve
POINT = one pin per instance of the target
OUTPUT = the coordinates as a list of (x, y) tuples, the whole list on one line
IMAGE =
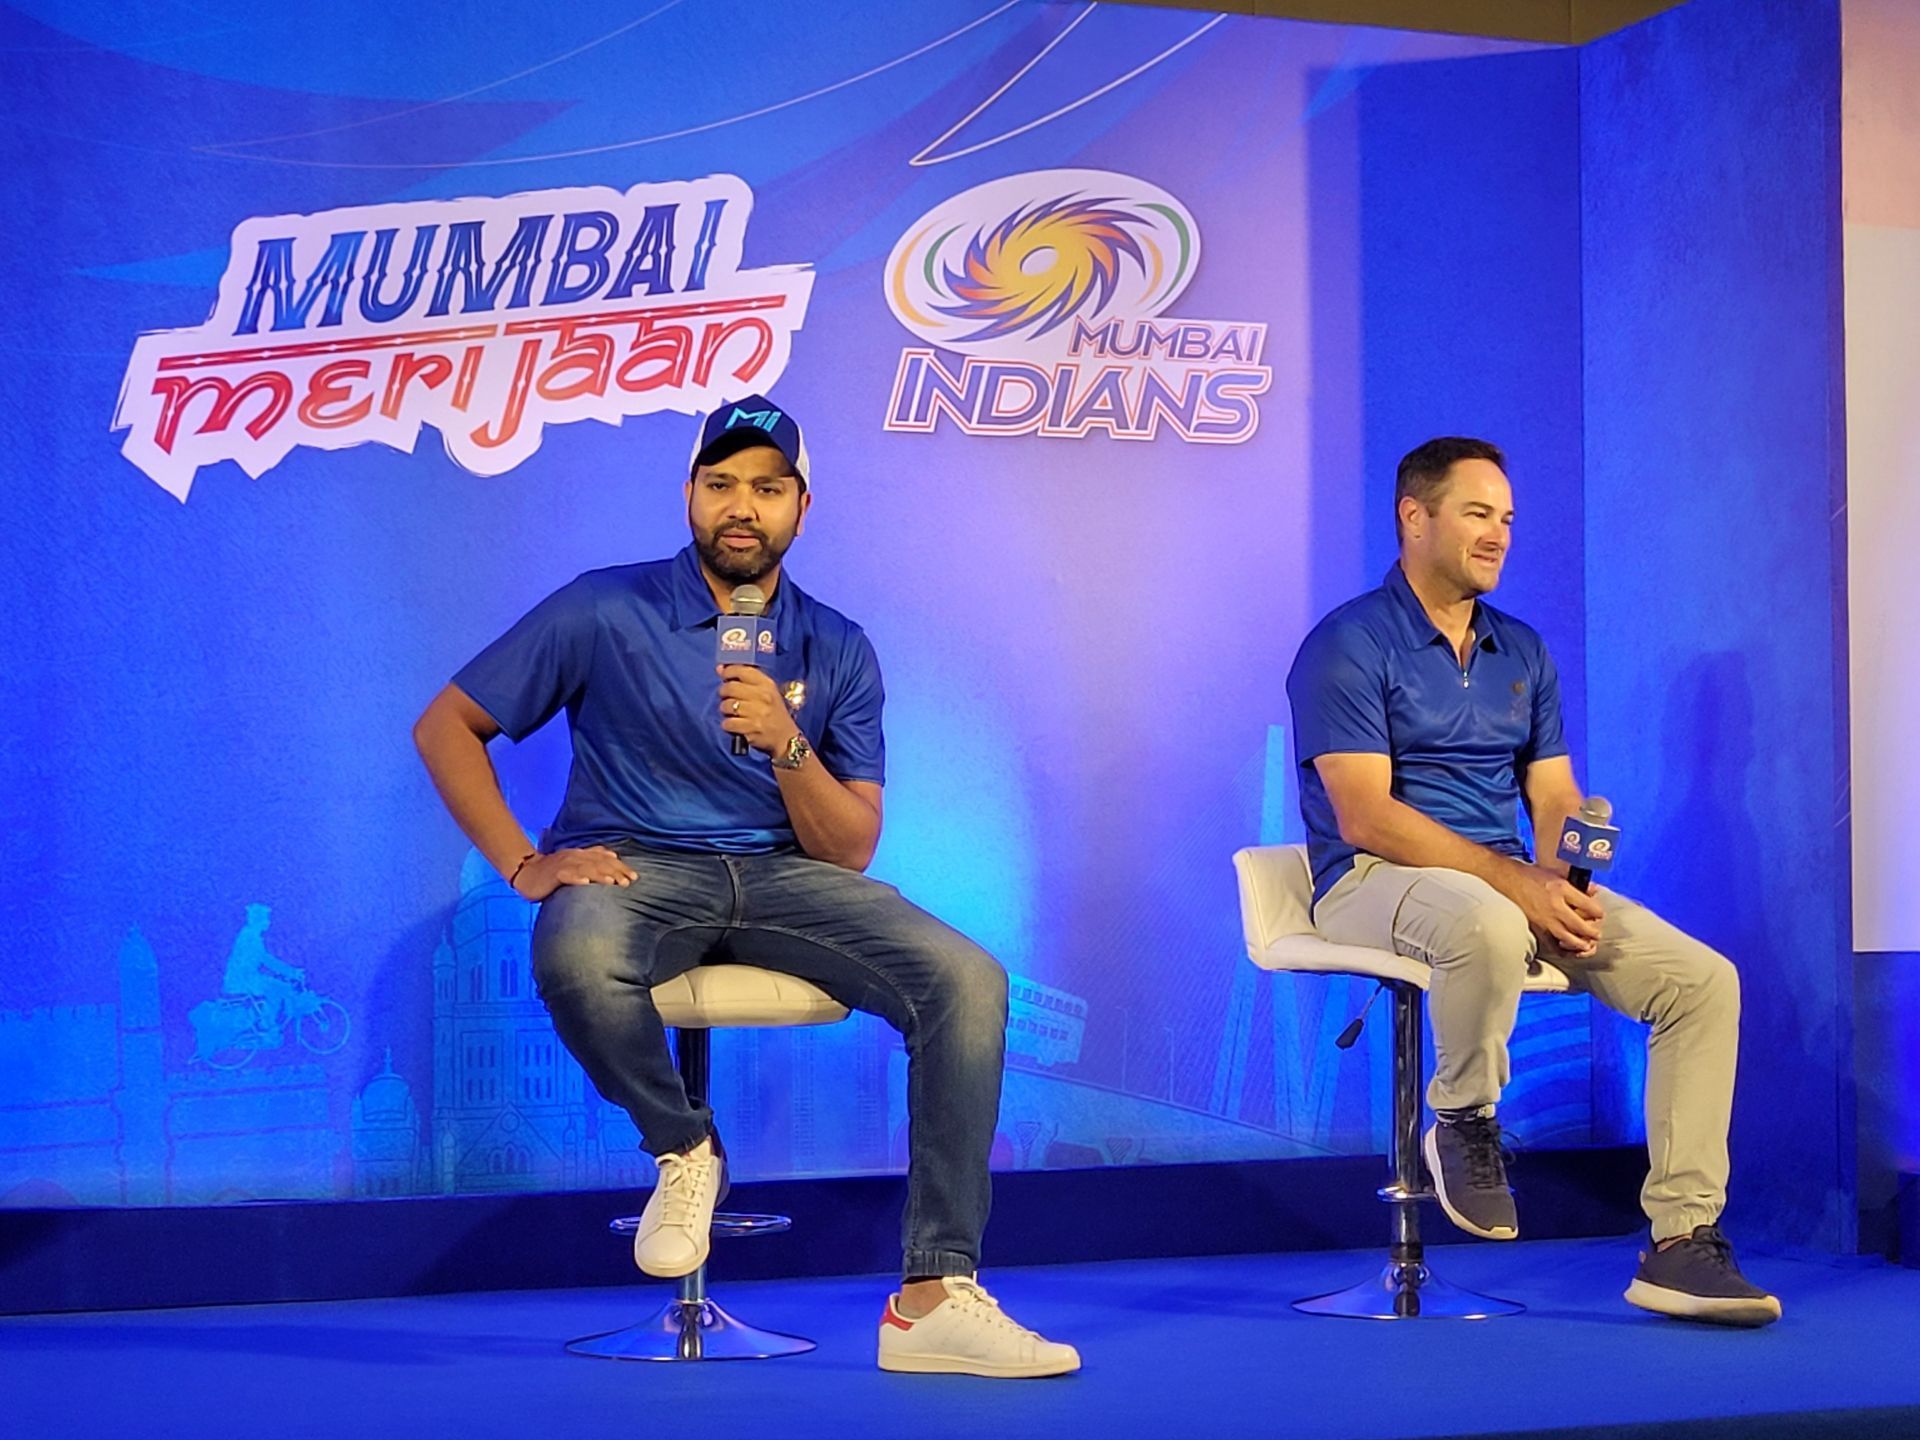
[(852, 746), (524, 678), (1338, 693), (1544, 740)]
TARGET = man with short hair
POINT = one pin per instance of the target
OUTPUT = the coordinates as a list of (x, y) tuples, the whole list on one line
[(670, 850), (1423, 719)]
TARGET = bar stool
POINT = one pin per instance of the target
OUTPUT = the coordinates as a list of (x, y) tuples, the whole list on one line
[(692, 1326), (1276, 898)]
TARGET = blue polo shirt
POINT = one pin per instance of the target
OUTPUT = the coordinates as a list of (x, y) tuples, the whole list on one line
[(1377, 677), (628, 653)]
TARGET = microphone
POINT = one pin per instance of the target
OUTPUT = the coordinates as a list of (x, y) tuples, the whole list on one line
[(742, 636), (1589, 841)]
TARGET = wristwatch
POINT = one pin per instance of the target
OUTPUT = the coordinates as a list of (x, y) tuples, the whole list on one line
[(793, 754)]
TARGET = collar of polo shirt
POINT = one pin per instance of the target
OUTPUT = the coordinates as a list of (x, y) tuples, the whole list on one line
[(1421, 631)]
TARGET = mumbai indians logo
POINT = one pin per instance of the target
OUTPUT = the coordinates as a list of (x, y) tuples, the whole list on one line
[(1047, 291), (486, 319)]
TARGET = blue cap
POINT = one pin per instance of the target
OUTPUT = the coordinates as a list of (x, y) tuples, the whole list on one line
[(752, 420)]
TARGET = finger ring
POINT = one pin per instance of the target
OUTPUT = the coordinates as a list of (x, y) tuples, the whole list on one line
[(736, 707)]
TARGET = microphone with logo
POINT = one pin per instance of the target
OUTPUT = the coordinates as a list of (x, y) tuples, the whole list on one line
[(742, 637), (1589, 841)]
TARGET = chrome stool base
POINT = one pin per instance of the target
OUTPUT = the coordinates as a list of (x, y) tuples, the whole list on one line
[(690, 1330), (690, 1326), (1405, 1289), (1408, 1292)]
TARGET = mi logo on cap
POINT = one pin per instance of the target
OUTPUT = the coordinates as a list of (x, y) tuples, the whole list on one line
[(758, 419)]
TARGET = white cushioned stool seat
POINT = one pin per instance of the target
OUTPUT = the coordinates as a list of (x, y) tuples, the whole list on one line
[(743, 997), (1276, 917)]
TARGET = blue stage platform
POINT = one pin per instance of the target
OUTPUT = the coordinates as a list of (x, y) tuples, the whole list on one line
[(1174, 1348)]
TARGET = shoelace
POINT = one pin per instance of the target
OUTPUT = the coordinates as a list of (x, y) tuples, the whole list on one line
[(1485, 1152), (972, 1296), (681, 1181), (1712, 1245)]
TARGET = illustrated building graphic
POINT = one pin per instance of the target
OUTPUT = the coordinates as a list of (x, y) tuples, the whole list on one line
[(388, 1157), (511, 1110)]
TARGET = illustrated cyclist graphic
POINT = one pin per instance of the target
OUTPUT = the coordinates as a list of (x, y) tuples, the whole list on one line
[(253, 970), (261, 994)]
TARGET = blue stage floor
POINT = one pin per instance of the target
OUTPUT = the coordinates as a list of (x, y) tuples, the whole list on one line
[(1173, 1348)]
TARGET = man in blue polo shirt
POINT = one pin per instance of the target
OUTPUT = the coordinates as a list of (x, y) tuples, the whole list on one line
[(1424, 719), (673, 846)]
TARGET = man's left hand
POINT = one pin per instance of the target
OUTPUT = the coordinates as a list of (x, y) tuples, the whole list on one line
[(750, 705)]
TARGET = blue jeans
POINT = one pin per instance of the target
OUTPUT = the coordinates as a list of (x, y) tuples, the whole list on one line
[(599, 949)]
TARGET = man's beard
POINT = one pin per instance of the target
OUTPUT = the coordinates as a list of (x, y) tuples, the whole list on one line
[(742, 567)]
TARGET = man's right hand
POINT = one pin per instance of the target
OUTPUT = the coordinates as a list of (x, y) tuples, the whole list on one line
[(594, 865), (1560, 914)]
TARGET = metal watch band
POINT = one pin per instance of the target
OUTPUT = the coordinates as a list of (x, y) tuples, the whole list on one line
[(795, 754)]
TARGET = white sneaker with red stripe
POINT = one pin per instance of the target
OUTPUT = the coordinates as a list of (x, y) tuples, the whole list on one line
[(968, 1334)]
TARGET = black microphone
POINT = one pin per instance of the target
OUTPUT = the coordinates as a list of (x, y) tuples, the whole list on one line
[(749, 602), (1589, 842)]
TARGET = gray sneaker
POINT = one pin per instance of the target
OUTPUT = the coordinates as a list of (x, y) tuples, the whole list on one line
[(1697, 1279), (1470, 1176)]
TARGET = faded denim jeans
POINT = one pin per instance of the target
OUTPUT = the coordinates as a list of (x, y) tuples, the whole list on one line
[(599, 949)]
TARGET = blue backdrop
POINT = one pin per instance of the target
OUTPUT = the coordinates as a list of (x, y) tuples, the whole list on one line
[(1362, 238), (1711, 235)]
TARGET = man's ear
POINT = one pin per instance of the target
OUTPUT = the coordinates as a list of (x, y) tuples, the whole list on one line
[(1407, 509), (806, 503)]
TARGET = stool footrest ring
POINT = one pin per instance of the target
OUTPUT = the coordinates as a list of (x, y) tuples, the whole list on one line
[(1397, 1194), (725, 1222)]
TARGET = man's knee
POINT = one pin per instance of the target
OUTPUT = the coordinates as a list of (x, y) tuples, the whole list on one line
[(1711, 985), (971, 984)]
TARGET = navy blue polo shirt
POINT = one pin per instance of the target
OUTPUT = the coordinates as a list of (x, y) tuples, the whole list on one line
[(628, 653), (1377, 677)]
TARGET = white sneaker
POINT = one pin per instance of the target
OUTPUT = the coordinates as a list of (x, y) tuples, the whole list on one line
[(676, 1228), (968, 1334)]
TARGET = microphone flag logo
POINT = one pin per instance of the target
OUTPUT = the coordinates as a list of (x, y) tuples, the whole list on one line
[(1588, 846)]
